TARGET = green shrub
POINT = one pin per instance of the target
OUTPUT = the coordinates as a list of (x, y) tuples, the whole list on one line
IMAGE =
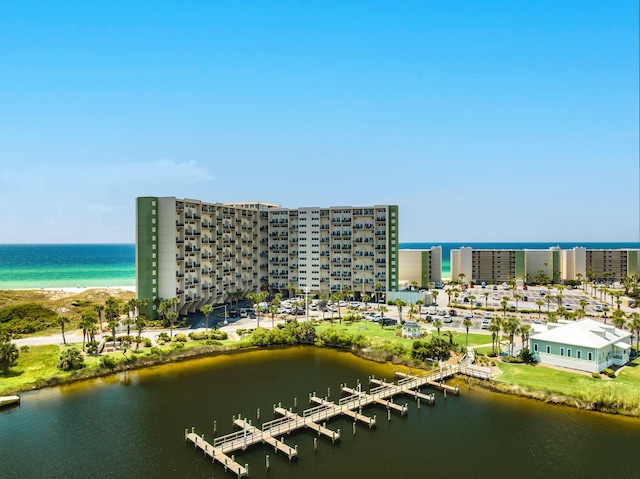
[(164, 337), (27, 318), (70, 359), (155, 351), (595, 375), (180, 337), (609, 372), (107, 362), (177, 345), (24, 349)]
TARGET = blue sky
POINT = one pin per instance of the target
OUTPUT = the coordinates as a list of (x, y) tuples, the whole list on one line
[(484, 121)]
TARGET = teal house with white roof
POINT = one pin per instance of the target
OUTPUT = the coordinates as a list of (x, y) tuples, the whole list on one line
[(585, 345)]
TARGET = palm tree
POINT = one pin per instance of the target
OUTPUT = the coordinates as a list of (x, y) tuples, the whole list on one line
[(62, 320), (86, 323), (539, 303), (511, 327), (290, 287), (383, 309), (324, 299), (467, 323), (399, 303), (207, 309), (171, 316), (517, 297), (272, 310), (472, 300), (494, 328), (579, 276), (605, 308), (377, 289), (618, 319), (486, 297), (461, 276), (419, 304), (141, 323), (437, 324), (99, 308), (504, 303), (634, 325), (434, 295), (365, 298), (525, 330), (583, 303), (336, 298)]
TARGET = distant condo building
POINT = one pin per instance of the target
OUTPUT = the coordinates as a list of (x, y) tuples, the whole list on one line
[(420, 266), (500, 265), (201, 252)]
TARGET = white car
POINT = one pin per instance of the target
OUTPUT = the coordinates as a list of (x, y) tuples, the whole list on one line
[(487, 316), (598, 308), (485, 323), (468, 316), (442, 312), (447, 319)]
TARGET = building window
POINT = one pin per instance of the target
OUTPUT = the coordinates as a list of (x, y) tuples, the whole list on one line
[(153, 238), (153, 246), (153, 230), (153, 272), (579, 354), (153, 255), (561, 351), (568, 353), (153, 264), (590, 356), (153, 212), (153, 281), (153, 221), (153, 203), (154, 290), (548, 349), (535, 347)]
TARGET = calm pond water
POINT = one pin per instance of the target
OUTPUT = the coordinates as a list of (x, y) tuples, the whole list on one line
[(133, 425)]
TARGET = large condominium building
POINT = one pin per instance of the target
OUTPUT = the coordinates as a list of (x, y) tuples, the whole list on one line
[(501, 265), (421, 266), (201, 252)]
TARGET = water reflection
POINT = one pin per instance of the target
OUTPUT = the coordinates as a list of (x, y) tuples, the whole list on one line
[(133, 423)]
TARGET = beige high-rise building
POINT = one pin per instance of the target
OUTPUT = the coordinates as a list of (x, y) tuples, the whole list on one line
[(201, 252)]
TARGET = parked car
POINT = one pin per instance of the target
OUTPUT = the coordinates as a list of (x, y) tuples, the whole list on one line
[(452, 312), (524, 287), (568, 307), (485, 323), (442, 312), (487, 315), (495, 287), (598, 308), (252, 315), (525, 298), (447, 319), (542, 292), (389, 321), (468, 316)]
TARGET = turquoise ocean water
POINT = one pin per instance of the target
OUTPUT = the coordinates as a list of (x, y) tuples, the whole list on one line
[(66, 265), (72, 265)]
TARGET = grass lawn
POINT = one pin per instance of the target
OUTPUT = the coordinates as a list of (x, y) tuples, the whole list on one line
[(377, 335), (39, 362), (542, 378)]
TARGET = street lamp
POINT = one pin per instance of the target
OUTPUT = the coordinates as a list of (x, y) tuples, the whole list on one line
[(306, 303)]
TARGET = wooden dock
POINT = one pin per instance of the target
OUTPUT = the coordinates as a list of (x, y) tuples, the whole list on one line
[(315, 418)]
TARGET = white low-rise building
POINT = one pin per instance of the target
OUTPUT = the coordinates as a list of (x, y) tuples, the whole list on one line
[(585, 345)]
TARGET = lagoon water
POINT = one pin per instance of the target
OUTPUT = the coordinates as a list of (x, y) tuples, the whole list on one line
[(132, 424)]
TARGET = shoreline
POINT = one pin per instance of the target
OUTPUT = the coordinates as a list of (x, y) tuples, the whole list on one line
[(74, 290), (238, 347)]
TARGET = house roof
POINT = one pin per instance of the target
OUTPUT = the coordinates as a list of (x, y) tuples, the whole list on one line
[(585, 333), (410, 324)]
